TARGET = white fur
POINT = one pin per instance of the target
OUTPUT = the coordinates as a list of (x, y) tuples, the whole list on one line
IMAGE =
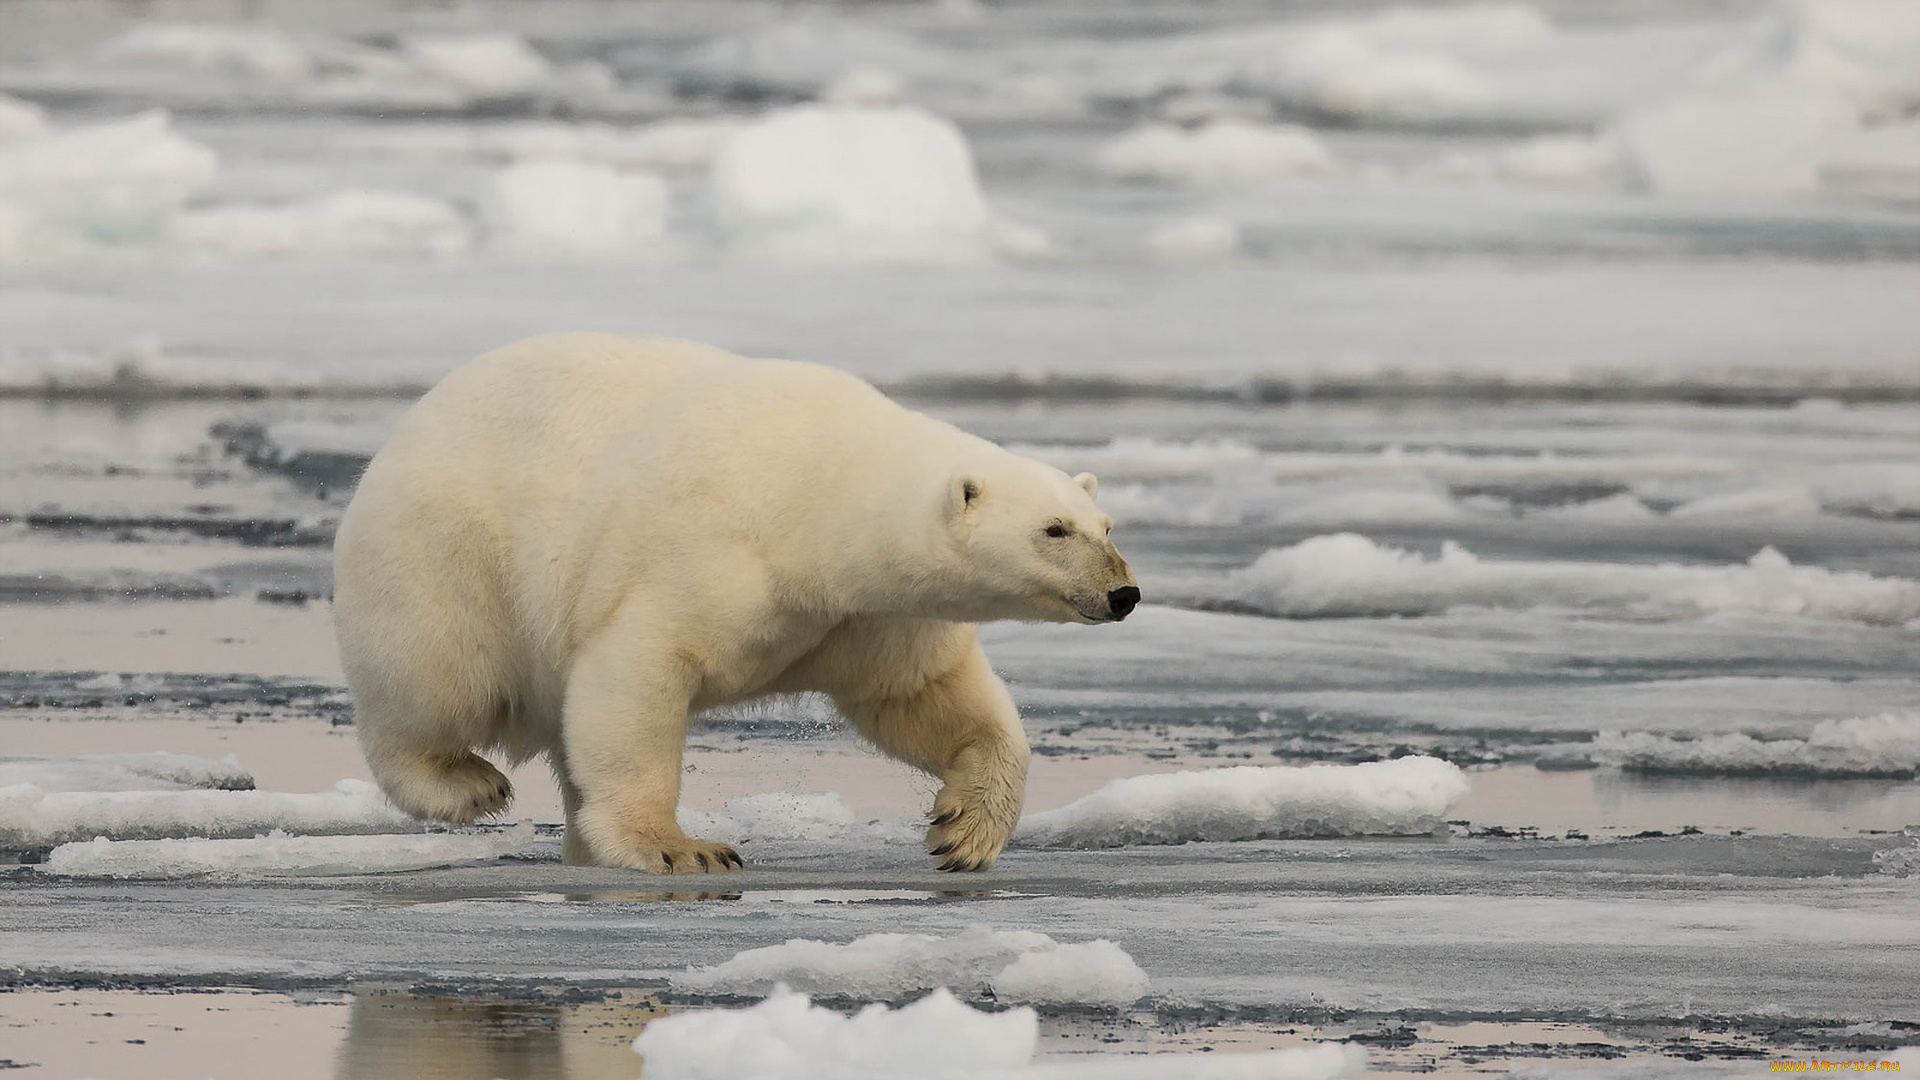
[(574, 542)]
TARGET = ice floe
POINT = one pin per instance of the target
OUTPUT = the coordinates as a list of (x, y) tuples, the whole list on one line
[(485, 66), (103, 184), (557, 205), (822, 181), (1011, 965), (31, 816), (1406, 796), (938, 1037), (1345, 574), (157, 771), (1887, 744), (278, 853), (358, 221), (1220, 152)]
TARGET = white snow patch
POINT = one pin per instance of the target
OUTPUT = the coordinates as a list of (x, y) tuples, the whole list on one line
[(1221, 152), (1014, 965), (107, 183), (1404, 797), (822, 181), (485, 66), (278, 853), (1349, 575), (938, 1037), (356, 221), (30, 816), (157, 771), (556, 205), (1884, 745)]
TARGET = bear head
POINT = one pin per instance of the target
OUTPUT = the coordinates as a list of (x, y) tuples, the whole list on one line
[(1033, 545)]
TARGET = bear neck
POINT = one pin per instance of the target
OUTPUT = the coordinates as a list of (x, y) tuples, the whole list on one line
[(889, 548)]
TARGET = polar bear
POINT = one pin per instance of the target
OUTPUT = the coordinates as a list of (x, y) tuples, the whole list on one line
[(573, 543)]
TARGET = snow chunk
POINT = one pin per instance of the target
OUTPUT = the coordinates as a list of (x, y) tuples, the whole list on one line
[(1222, 152), (1015, 965), (787, 1037), (1883, 745), (571, 206), (1346, 575), (1405, 797), (485, 66), (261, 52), (107, 183), (860, 182), (20, 120), (356, 221), (31, 817), (1096, 972), (277, 853), (158, 771)]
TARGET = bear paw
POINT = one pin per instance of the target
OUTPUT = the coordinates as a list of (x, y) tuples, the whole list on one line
[(461, 790), (682, 856), (965, 836), (689, 856)]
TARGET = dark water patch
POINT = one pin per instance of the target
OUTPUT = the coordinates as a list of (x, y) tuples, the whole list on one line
[(250, 532), (261, 697), (324, 473), (1391, 390)]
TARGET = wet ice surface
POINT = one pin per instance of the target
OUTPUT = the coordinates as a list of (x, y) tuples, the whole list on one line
[(1449, 401)]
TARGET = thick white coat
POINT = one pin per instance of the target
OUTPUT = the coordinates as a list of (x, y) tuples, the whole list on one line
[(574, 542)]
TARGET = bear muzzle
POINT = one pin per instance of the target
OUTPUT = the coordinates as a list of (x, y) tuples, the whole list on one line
[(1123, 600)]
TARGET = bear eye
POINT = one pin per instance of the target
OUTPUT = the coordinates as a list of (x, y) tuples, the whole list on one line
[(1056, 530)]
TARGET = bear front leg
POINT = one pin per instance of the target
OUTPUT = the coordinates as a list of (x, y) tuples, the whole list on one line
[(961, 726), (624, 726)]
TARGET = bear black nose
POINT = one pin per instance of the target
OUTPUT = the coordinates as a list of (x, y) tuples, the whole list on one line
[(1123, 600)]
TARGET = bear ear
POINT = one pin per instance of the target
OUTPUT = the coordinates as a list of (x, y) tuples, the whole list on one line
[(1088, 483), (966, 492)]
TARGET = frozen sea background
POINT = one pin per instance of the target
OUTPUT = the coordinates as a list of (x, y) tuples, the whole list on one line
[(1532, 387)]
